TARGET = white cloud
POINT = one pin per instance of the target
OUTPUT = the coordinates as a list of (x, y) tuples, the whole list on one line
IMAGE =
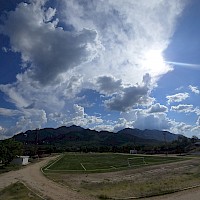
[(179, 88), (181, 128), (177, 97), (9, 112), (157, 108), (142, 119), (121, 124), (76, 116), (1, 128), (157, 121), (5, 50), (186, 108), (2, 133), (194, 89), (183, 108), (80, 118), (198, 121), (127, 30), (105, 127), (31, 119)]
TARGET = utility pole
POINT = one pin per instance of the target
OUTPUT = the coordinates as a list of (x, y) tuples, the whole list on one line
[(36, 141), (165, 139)]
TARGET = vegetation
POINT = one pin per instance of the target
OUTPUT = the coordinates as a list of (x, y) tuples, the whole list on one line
[(143, 187), (104, 162), (77, 139), (141, 182), (18, 191), (9, 149)]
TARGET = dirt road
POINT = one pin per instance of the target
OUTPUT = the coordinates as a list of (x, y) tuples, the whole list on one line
[(33, 178)]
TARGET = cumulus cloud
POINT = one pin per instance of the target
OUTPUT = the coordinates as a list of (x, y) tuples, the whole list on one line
[(50, 50), (31, 119), (76, 116), (177, 97), (142, 119), (183, 108), (181, 128), (130, 96), (194, 89), (157, 121), (87, 45), (186, 108), (157, 108), (127, 30), (105, 127), (121, 124), (109, 85)]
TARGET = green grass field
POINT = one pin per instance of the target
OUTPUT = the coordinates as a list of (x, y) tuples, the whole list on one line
[(104, 162)]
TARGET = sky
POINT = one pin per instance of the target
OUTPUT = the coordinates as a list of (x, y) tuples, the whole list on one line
[(100, 64)]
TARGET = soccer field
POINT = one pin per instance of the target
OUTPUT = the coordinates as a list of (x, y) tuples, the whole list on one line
[(103, 162)]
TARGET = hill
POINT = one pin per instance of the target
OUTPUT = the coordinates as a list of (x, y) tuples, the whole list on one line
[(150, 134), (77, 136)]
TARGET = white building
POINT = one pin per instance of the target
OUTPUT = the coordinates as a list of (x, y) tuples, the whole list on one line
[(20, 160), (133, 151)]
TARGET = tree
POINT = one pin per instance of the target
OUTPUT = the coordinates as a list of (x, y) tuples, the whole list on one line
[(194, 139), (9, 149)]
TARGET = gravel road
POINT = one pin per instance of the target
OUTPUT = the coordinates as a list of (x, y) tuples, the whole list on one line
[(33, 178)]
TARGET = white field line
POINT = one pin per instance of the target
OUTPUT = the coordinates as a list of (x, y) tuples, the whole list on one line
[(47, 168), (90, 170), (83, 167), (32, 190)]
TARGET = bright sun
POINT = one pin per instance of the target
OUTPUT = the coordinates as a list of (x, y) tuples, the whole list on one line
[(154, 62)]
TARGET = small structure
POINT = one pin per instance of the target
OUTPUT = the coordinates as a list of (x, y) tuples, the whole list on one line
[(133, 151), (20, 160), (197, 144)]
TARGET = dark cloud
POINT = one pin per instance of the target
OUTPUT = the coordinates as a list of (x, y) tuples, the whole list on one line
[(31, 106), (109, 85), (48, 49), (130, 96)]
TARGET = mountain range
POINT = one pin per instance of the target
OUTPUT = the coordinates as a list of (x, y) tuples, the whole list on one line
[(78, 136)]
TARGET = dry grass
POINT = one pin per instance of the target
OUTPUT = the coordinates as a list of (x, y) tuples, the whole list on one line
[(147, 181), (17, 191)]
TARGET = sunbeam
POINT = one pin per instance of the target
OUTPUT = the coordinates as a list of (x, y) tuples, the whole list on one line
[(188, 65)]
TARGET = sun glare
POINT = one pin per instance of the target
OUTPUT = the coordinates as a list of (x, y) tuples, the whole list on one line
[(154, 62)]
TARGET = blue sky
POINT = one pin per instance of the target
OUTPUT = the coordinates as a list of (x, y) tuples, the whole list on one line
[(104, 65)]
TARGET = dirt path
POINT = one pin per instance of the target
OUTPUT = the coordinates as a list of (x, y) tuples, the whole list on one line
[(192, 194), (33, 178)]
